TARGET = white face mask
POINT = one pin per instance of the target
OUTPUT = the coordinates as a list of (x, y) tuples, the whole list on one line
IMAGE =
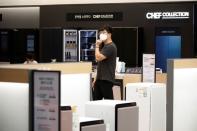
[(103, 37)]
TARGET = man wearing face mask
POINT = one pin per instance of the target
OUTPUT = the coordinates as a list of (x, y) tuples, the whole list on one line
[(105, 54)]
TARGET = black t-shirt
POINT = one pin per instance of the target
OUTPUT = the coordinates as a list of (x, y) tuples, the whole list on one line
[(106, 67)]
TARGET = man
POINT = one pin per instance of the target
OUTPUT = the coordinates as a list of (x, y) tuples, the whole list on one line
[(105, 54), (30, 59)]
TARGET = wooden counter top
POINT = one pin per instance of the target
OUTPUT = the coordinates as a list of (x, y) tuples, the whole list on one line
[(133, 78), (20, 72)]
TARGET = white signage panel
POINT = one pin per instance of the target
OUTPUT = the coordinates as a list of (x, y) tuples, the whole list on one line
[(148, 74), (46, 100)]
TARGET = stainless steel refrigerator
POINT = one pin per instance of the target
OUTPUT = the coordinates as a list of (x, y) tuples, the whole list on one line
[(70, 45), (87, 39)]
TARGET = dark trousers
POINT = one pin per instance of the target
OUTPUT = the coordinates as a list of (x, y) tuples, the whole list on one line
[(102, 89)]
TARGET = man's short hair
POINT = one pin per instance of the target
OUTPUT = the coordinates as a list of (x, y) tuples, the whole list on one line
[(108, 28)]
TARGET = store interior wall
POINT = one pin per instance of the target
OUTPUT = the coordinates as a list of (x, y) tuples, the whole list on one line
[(51, 2), (130, 19), (20, 17), (54, 16), (19, 31)]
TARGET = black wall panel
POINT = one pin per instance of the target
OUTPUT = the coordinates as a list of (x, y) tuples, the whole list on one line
[(4, 45), (129, 45), (195, 29), (14, 42), (51, 44)]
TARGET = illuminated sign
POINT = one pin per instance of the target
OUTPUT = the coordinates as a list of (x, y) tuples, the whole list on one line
[(99, 16), (167, 15)]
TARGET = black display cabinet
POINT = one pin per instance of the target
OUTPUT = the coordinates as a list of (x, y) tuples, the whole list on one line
[(15, 44), (51, 46), (4, 45), (195, 29), (129, 45)]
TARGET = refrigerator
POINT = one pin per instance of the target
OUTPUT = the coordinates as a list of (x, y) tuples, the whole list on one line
[(117, 115), (70, 45), (151, 100), (167, 47), (87, 39)]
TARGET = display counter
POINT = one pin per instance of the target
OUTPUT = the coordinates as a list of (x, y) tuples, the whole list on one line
[(124, 78), (133, 78), (15, 91), (75, 79), (117, 115)]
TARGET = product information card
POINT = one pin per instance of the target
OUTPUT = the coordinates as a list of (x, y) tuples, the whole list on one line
[(46, 100), (148, 74)]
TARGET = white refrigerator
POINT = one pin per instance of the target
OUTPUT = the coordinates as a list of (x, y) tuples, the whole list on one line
[(151, 100)]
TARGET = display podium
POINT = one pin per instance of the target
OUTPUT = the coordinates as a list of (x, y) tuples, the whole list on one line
[(14, 111), (181, 95), (117, 115), (91, 124), (66, 118), (151, 100)]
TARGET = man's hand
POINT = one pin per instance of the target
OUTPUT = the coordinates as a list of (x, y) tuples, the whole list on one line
[(93, 83), (98, 43)]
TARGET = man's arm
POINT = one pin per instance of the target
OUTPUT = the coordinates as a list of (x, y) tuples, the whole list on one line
[(98, 55)]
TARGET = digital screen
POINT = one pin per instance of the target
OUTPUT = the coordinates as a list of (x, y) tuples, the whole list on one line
[(30, 43)]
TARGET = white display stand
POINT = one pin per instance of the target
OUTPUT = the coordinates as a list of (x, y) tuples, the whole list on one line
[(151, 99), (181, 95), (117, 115), (75, 91), (14, 110)]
